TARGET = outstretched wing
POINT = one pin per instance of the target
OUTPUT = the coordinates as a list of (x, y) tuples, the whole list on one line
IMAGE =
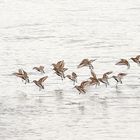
[(138, 57), (25, 73), (41, 80), (36, 68), (109, 72), (41, 67), (121, 75), (60, 64), (83, 62), (84, 83)]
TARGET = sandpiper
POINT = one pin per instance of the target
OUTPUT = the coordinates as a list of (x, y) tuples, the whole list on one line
[(123, 62), (59, 69), (136, 59), (72, 77), (86, 62), (39, 83), (23, 75), (119, 78), (94, 79), (82, 86), (40, 69), (105, 78)]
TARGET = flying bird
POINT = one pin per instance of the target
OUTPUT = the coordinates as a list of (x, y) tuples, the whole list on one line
[(123, 62), (136, 59), (72, 77), (119, 78), (86, 63), (39, 83), (39, 69)]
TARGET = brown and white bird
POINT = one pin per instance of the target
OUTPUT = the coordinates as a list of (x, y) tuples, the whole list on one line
[(23, 75), (123, 62), (59, 69), (136, 59), (39, 83), (119, 78), (39, 69), (105, 78), (94, 79), (72, 77), (82, 86), (86, 63)]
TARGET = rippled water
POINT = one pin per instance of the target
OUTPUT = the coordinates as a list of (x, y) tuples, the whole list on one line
[(43, 32)]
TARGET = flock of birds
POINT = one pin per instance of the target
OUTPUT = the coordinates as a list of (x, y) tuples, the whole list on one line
[(59, 69)]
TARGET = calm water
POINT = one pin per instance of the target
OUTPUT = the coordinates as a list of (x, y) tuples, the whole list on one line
[(43, 32)]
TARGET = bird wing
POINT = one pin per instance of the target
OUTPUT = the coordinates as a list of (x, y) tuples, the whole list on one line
[(41, 80), (122, 75), (69, 76), (107, 73), (122, 62), (83, 62), (60, 64), (138, 57), (36, 68), (41, 67), (25, 73), (84, 83)]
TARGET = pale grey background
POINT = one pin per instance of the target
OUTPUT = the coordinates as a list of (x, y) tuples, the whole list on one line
[(34, 32)]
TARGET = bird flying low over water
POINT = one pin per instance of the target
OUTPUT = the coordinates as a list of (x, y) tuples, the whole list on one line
[(86, 62), (105, 78), (82, 86), (123, 62), (23, 75), (59, 69), (39, 69), (94, 79), (39, 83), (136, 59), (119, 78), (72, 77)]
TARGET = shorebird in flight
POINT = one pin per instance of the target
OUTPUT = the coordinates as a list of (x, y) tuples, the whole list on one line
[(59, 69), (105, 78), (82, 86), (72, 77), (119, 78), (39, 69), (136, 59), (86, 63), (39, 83), (94, 79), (123, 62), (23, 75)]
